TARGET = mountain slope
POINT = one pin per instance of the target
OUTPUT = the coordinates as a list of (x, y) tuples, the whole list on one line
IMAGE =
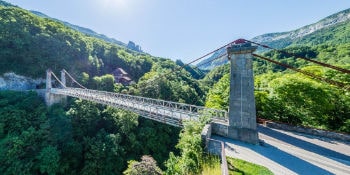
[(31, 44), (284, 39), (334, 29), (336, 34), (131, 45)]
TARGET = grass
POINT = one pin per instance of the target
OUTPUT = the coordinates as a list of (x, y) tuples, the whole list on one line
[(241, 167), (211, 165)]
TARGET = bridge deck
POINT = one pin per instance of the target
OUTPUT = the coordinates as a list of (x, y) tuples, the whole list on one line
[(163, 111)]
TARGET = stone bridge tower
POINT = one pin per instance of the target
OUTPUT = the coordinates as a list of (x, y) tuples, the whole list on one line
[(242, 112), (50, 98)]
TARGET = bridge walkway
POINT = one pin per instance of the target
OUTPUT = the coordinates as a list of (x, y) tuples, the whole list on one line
[(167, 112)]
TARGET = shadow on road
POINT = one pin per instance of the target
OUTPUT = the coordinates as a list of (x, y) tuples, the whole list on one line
[(289, 161), (280, 157), (305, 145)]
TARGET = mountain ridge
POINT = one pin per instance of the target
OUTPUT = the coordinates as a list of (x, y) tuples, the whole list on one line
[(298, 36), (92, 33), (328, 21)]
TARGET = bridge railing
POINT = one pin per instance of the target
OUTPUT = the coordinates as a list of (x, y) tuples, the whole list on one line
[(185, 111)]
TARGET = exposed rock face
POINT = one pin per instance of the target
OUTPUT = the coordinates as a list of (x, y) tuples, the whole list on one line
[(11, 81), (284, 39), (131, 45), (306, 30)]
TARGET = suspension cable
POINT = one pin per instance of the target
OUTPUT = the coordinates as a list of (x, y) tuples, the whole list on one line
[(203, 74), (336, 83), (74, 79), (220, 56), (53, 74), (307, 59), (195, 60)]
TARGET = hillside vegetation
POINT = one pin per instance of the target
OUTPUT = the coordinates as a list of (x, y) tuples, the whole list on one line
[(285, 96), (31, 44), (84, 137), (89, 138)]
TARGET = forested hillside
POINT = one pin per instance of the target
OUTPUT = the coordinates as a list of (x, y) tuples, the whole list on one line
[(87, 138), (92, 33), (31, 44), (82, 137)]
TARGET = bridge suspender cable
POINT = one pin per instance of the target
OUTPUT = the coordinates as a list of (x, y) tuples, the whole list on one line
[(74, 79), (53, 74), (336, 83), (61, 83), (307, 59)]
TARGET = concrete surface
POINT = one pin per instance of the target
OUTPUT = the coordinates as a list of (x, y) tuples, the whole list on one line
[(286, 152)]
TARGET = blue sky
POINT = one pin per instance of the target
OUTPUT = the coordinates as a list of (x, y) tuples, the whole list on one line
[(185, 29)]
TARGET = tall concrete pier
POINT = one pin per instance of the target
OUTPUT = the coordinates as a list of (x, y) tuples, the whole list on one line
[(242, 114)]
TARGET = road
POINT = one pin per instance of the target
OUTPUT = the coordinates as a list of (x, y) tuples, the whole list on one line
[(289, 153)]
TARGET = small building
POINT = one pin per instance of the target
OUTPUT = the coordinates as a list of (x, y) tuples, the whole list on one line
[(121, 76)]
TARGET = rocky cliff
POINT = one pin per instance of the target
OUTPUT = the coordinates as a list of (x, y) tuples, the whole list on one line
[(11, 81)]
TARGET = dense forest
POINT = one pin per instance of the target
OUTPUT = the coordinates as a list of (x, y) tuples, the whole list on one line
[(82, 137)]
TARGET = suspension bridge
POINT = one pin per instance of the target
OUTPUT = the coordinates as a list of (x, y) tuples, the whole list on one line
[(238, 123), (167, 112)]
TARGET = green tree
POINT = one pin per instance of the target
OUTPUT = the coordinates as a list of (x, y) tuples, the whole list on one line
[(104, 83), (218, 96), (299, 100), (49, 159), (103, 154), (191, 152), (85, 117), (147, 166)]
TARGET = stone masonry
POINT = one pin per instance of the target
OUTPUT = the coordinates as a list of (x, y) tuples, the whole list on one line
[(50, 98), (242, 114)]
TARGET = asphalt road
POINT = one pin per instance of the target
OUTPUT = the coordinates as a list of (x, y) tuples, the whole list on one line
[(286, 152)]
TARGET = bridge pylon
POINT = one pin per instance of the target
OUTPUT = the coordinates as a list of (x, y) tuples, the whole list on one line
[(51, 98), (242, 110), (242, 115)]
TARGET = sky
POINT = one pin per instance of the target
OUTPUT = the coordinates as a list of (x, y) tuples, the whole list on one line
[(185, 29)]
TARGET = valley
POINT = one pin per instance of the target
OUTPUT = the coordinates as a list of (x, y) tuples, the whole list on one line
[(83, 137)]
